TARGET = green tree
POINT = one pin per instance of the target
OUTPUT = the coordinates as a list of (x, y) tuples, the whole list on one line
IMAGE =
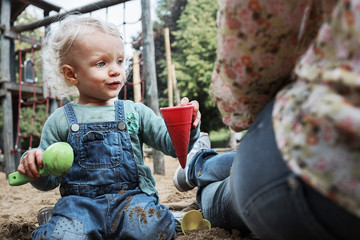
[(195, 55), (168, 12)]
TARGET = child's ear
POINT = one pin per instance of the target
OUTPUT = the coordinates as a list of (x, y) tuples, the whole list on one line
[(69, 73)]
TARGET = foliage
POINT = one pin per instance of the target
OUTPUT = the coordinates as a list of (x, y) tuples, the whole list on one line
[(195, 55), (168, 12), (193, 29), (32, 124), (220, 137)]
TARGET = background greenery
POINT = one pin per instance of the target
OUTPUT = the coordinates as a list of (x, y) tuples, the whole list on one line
[(193, 29)]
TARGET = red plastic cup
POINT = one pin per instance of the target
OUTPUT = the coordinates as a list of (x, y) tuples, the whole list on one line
[(178, 122)]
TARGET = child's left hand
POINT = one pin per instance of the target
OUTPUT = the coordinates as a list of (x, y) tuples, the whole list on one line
[(196, 113)]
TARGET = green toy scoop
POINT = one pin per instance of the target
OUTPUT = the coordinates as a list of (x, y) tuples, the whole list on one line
[(57, 161)]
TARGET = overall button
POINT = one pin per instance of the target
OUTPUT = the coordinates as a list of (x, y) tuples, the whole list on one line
[(75, 127), (121, 126)]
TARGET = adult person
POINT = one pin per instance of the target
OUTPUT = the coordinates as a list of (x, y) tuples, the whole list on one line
[(288, 71)]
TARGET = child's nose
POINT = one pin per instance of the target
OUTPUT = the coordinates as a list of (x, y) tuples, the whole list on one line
[(115, 70)]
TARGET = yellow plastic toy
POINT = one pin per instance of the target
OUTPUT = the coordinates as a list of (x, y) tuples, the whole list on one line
[(193, 220)]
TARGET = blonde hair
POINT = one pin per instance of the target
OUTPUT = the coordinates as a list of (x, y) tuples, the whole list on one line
[(58, 43)]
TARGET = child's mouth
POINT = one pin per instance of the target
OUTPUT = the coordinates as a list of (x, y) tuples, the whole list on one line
[(114, 85)]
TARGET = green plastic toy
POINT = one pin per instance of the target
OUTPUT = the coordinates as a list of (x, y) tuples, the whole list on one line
[(57, 161)]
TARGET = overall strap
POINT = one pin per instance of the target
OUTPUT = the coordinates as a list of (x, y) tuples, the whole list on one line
[(119, 110), (70, 114)]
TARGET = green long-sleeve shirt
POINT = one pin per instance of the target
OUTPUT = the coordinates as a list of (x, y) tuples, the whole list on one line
[(143, 124)]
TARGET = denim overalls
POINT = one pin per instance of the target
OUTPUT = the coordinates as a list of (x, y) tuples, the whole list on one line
[(101, 198)]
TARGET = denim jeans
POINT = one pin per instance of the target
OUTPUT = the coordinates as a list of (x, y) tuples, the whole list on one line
[(127, 215), (252, 189)]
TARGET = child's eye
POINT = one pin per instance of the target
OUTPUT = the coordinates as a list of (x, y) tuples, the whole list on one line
[(100, 64), (120, 61)]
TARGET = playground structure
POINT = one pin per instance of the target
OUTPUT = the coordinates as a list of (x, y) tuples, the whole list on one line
[(21, 84)]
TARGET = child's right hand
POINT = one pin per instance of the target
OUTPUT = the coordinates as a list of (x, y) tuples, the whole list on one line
[(30, 162)]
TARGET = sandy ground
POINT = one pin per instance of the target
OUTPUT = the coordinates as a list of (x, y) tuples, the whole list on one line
[(19, 206)]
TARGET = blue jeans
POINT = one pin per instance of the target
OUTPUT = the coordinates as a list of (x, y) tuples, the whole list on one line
[(252, 189), (127, 215)]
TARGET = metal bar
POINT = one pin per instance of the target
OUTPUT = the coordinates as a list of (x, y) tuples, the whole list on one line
[(51, 19)]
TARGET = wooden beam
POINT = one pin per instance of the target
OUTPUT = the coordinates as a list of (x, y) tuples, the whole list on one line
[(51, 19), (136, 77), (169, 67), (45, 5), (26, 89), (14, 35), (8, 133)]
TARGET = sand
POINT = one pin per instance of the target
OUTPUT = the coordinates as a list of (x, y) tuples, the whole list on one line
[(19, 206)]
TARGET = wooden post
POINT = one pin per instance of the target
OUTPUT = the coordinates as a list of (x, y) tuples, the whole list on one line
[(176, 90), (5, 42), (169, 68), (136, 77), (150, 76), (7, 105)]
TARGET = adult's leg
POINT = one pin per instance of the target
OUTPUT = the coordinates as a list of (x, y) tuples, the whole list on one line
[(210, 172), (271, 200)]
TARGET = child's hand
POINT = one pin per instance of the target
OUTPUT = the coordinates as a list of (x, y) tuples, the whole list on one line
[(28, 164), (196, 113)]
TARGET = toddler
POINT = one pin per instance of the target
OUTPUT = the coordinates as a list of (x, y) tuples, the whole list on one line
[(109, 193)]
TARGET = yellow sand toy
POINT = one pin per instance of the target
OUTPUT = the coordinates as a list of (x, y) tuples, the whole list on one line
[(193, 220)]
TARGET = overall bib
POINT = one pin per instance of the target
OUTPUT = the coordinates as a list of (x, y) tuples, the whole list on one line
[(101, 198)]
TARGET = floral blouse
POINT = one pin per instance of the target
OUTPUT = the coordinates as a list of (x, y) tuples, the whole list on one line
[(307, 54)]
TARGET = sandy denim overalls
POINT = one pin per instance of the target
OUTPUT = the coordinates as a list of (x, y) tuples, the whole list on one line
[(101, 198)]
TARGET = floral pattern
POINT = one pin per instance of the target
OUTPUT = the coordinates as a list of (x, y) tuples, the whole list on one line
[(307, 54), (132, 123)]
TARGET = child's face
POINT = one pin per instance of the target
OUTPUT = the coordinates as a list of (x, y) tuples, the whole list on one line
[(96, 68)]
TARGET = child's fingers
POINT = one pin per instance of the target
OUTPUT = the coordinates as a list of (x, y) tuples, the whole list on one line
[(26, 167), (196, 106), (39, 158), (29, 165), (184, 101), (21, 168), (196, 121), (196, 113)]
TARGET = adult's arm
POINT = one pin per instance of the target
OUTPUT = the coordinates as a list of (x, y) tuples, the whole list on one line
[(258, 45)]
